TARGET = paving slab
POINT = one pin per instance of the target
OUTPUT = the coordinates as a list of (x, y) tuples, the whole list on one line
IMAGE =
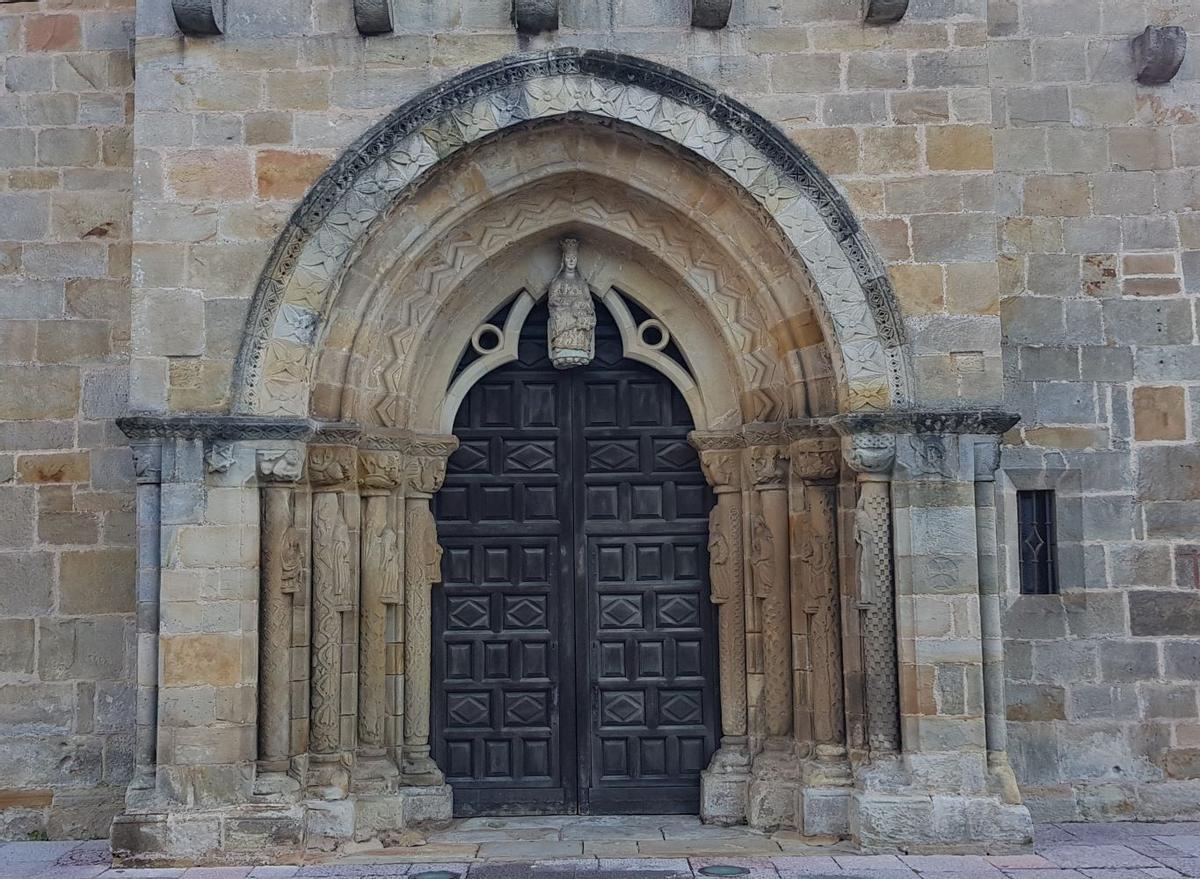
[(1189, 867), (612, 848), (1189, 845), (1099, 856), (695, 848), (526, 850), (525, 834), (792, 866), (1019, 862), (32, 852), (274, 872)]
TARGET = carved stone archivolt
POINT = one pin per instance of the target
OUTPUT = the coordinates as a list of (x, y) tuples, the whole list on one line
[(346, 205)]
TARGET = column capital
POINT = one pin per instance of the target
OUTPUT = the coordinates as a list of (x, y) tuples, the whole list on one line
[(331, 465), (380, 472), (814, 459), (280, 464), (871, 455), (987, 459), (767, 466), (147, 461), (722, 469)]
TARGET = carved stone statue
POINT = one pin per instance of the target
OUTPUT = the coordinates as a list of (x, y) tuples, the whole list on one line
[(572, 331)]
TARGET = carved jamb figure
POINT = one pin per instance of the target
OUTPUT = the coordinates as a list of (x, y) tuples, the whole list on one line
[(864, 539), (572, 330)]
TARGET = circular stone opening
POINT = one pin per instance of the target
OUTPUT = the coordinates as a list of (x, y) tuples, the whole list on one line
[(724, 870), (436, 874), (654, 335), (487, 338)]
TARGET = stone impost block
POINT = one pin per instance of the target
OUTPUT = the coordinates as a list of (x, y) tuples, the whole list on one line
[(1158, 54)]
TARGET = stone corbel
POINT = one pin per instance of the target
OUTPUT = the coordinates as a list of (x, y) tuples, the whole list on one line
[(1158, 53), (872, 457), (284, 569), (712, 14), (373, 17), (884, 12), (200, 18), (535, 16)]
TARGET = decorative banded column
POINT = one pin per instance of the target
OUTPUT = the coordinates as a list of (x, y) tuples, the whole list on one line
[(776, 774), (816, 610), (284, 565), (1004, 782), (380, 476), (332, 470), (871, 456), (724, 783), (147, 469), (426, 471), (767, 468)]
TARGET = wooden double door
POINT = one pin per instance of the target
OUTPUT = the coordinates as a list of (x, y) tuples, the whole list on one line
[(574, 646)]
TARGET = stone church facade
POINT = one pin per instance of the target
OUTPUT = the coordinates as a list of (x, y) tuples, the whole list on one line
[(783, 411)]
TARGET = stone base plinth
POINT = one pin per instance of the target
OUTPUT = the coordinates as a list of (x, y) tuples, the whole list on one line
[(824, 811), (723, 797), (271, 833), (938, 823)]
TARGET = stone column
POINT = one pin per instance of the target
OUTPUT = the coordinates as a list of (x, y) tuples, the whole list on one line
[(283, 566), (724, 783), (773, 790), (815, 599), (422, 568), (1004, 782), (380, 476), (871, 456), (147, 468), (332, 470)]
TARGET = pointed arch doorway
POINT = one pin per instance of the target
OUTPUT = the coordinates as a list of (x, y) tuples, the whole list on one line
[(574, 643)]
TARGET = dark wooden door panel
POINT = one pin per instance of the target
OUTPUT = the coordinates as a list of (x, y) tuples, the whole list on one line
[(574, 644)]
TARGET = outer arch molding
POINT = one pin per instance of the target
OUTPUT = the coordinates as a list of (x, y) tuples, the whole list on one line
[(340, 212)]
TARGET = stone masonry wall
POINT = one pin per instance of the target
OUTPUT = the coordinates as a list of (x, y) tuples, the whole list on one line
[(970, 127), (1098, 183), (66, 495)]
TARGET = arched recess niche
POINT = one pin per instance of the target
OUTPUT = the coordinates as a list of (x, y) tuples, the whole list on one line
[(708, 197)]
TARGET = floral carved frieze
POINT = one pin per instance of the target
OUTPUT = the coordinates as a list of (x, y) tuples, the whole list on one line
[(345, 205)]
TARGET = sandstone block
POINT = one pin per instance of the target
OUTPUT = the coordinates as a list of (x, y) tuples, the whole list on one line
[(1057, 196), (38, 392), (89, 649), (287, 175), (1164, 613), (16, 646), (97, 581), (959, 147), (204, 659), (1159, 413)]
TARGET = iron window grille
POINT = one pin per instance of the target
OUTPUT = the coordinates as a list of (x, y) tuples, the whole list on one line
[(1037, 529)]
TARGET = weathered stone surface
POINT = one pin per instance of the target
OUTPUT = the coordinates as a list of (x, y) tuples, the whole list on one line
[(1164, 613)]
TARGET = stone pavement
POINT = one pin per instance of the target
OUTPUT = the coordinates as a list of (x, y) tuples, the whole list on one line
[(561, 848)]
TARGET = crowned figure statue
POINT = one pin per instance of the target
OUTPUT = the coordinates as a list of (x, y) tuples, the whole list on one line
[(572, 330)]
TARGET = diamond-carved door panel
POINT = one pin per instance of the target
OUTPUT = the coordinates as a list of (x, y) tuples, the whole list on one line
[(574, 646)]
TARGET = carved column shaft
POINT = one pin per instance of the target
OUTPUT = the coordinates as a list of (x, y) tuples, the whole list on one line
[(816, 607), (872, 457), (422, 568), (726, 563), (333, 591), (147, 465), (769, 571), (987, 459), (380, 476)]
